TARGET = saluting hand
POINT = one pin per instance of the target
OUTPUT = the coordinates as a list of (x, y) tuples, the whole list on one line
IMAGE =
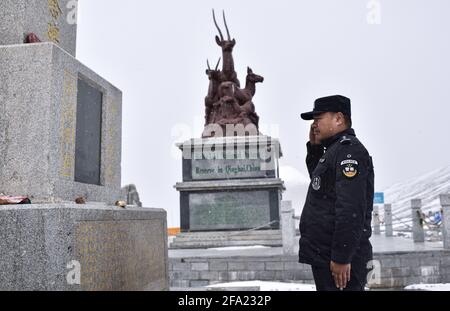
[(312, 138), (340, 273)]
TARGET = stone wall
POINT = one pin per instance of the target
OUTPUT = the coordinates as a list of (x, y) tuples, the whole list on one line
[(393, 270)]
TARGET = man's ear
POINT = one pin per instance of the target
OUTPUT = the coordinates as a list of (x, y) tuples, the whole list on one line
[(340, 118)]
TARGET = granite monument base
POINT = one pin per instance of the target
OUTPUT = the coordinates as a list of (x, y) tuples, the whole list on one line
[(60, 127), (82, 247), (230, 183), (230, 204)]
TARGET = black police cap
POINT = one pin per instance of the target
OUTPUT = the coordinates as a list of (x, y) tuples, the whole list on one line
[(335, 103)]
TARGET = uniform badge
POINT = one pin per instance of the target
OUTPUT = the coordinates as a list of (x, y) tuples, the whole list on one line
[(316, 183), (349, 168), (322, 160)]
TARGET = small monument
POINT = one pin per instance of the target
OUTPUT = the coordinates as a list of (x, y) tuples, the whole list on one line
[(230, 175), (132, 195), (60, 147)]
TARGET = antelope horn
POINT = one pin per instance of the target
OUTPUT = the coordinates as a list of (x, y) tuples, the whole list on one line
[(207, 62), (226, 26), (217, 26), (217, 66)]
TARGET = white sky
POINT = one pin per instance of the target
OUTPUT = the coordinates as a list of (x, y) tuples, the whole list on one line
[(397, 74)]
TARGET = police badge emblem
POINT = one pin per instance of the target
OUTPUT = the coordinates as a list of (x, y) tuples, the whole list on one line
[(316, 183), (349, 168)]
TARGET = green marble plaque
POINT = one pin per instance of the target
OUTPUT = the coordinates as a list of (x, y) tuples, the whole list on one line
[(229, 210)]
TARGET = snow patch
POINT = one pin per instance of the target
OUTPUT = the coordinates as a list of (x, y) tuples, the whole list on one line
[(429, 287), (270, 286), (234, 248)]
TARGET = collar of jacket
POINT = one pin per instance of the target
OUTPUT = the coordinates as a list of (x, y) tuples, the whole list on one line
[(329, 141)]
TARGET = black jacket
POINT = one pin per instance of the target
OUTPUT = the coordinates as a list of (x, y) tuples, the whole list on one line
[(336, 219)]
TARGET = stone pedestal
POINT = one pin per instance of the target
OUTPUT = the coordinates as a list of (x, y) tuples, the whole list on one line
[(72, 247), (51, 20), (230, 183), (60, 128)]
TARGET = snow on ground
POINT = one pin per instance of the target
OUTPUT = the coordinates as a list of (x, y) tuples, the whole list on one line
[(234, 248), (429, 287), (270, 286)]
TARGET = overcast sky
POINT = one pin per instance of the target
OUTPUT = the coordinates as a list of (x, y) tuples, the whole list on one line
[(396, 72)]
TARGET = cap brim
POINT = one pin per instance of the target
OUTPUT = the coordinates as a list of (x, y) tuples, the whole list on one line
[(310, 115)]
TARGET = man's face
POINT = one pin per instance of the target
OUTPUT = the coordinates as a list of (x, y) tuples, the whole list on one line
[(324, 125)]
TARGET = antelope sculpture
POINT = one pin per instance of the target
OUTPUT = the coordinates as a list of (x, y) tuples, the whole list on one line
[(226, 103), (227, 52), (215, 77)]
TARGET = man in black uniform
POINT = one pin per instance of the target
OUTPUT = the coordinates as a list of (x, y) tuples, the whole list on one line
[(335, 225)]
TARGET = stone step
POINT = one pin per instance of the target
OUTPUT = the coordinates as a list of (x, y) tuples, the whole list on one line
[(186, 240), (211, 244), (228, 238), (230, 233)]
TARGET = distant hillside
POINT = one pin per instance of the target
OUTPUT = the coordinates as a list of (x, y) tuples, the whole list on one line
[(427, 187)]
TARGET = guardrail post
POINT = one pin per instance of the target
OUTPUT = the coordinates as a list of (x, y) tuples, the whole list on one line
[(417, 221), (376, 220), (287, 227), (388, 220), (445, 203)]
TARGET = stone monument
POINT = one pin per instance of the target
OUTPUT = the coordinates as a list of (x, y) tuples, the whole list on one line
[(132, 195), (230, 175), (60, 143)]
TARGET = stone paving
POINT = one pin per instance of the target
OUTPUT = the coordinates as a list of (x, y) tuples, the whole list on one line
[(398, 261), (381, 244)]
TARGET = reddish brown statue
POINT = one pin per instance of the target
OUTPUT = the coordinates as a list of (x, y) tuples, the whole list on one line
[(214, 76), (226, 103)]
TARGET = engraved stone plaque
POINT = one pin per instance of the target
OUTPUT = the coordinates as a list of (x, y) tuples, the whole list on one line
[(114, 255), (88, 134), (223, 210), (227, 169)]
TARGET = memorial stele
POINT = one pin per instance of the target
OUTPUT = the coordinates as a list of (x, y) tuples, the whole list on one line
[(60, 143)]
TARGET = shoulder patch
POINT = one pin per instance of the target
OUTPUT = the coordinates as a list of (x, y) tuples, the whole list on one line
[(345, 140), (316, 183), (349, 168)]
